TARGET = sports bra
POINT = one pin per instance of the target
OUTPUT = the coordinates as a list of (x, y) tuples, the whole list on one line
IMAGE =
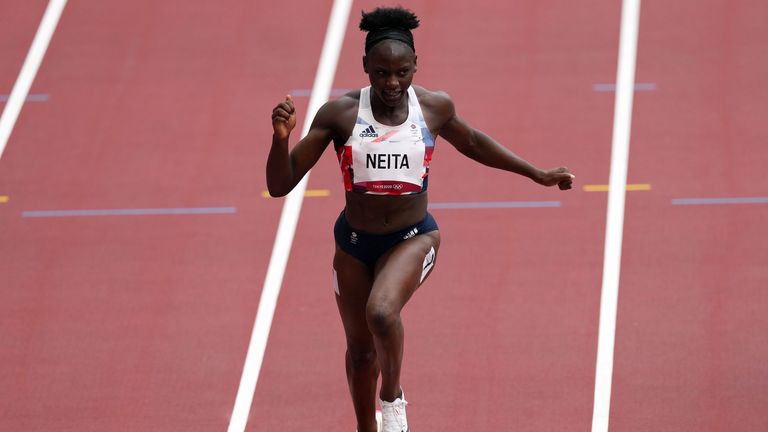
[(387, 160)]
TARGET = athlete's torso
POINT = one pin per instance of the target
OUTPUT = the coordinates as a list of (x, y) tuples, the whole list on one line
[(387, 160)]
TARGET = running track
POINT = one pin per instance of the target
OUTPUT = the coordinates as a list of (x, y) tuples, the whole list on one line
[(142, 322)]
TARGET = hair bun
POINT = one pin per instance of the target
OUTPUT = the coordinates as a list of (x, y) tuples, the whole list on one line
[(381, 18)]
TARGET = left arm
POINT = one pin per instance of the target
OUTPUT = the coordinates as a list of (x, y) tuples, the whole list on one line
[(484, 149)]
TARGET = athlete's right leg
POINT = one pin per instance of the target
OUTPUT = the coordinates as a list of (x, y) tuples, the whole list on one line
[(354, 281)]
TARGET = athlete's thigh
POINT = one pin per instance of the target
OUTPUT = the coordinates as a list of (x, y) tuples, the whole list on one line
[(353, 286), (403, 268)]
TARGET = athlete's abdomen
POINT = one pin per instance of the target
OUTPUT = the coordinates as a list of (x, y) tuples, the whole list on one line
[(382, 214)]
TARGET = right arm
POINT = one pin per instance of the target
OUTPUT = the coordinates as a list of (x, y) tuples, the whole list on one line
[(285, 169)]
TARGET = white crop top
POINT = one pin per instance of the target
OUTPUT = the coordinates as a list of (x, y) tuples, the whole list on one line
[(387, 160)]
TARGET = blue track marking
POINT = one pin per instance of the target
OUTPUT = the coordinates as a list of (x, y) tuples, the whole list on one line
[(612, 87), (493, 205), (720, 201), (39, 97), (129, 212)]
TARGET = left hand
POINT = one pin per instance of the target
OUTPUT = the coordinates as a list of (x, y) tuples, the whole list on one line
[(557, 176)]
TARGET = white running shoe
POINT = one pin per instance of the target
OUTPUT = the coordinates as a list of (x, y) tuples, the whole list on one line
[(393, 415)]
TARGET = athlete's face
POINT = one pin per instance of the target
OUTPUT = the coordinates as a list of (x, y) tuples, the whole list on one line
[(390, 66)]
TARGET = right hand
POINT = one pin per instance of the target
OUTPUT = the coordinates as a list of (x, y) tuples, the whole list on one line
[(284, 118)]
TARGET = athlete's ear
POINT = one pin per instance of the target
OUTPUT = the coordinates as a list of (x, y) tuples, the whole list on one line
[(415, 64), (365, 64)]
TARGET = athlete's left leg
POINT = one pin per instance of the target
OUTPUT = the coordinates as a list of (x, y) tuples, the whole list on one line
[(398, 274)]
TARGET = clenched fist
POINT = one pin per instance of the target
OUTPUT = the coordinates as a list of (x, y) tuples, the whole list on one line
[(284, 118), (558, 176)]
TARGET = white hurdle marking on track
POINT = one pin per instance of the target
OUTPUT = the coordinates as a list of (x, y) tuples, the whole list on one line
[(622, 122), (29, 69), (321, 89)]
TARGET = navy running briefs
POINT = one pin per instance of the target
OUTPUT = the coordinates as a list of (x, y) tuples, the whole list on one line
[(367, 247)]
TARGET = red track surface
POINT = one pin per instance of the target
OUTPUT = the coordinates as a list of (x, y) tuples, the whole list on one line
[(142, 323), (18, 23), (691, 343), (483, 350)]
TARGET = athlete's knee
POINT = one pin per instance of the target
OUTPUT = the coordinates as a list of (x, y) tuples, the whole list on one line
[(382, 318), (361, 357)]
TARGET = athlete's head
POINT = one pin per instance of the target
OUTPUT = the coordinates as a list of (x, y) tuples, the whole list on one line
[(390, 55)]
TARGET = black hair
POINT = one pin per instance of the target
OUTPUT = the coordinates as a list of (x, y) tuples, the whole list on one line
[(388, 23)]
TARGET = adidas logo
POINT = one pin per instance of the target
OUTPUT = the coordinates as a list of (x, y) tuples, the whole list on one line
[(411, 233), (369, 132)]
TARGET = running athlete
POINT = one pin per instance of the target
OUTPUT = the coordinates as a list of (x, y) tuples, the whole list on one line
[(386, 241)]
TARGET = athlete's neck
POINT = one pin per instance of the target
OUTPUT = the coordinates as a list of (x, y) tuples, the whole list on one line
[(389, 115)]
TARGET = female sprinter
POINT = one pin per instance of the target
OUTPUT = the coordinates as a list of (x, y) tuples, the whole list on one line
[(386, 241)]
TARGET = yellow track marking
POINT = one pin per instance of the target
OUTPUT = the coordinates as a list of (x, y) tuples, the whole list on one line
[(630, 187), (3, 198), (317, 193), (308, 193)]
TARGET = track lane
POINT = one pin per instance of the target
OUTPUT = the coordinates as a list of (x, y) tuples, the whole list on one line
[(691, 350), (503, 342), (141, 323)]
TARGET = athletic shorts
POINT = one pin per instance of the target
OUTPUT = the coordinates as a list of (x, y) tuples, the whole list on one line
[(368, 248)]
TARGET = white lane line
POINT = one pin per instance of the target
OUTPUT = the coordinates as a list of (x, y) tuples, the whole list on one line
[(321, 89), (29, 69), (622, 121)]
